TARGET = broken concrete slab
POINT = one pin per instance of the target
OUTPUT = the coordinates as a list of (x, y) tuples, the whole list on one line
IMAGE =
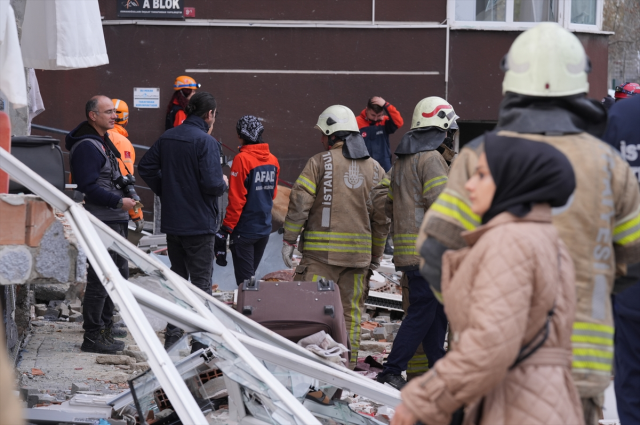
[(374, 346), (76, 317), (64, 310), (41, 309), (383, 319), (51, 314), (380, 333), (115, 359), (48, 291), (138, 355), (79, 386), (140, 367)]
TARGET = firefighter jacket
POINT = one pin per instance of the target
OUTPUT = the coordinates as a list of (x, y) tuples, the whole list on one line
[(416, 180), (332, 201), (119, 137), (600, 226)]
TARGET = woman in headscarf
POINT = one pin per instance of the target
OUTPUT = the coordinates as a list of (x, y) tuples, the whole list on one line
[(510, 299), (253, 185)]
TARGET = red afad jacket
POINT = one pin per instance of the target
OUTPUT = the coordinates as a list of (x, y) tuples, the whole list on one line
[(253, 185)]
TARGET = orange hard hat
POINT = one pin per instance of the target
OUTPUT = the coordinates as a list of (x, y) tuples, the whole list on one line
[(122, 110), (184, 82)]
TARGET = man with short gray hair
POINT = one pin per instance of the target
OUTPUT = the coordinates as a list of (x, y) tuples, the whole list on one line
[(94, 167)]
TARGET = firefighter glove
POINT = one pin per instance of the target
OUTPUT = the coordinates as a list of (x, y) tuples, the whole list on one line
[(287, 253)]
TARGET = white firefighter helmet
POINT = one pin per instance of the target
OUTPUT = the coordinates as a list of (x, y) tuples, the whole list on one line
[(546, 61), (337, 118), (434, 111)]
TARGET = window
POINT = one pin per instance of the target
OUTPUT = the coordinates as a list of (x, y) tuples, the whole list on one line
[(580, 15), (584, 12)]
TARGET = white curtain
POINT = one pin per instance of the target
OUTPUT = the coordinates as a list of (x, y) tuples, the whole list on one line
[(12, 80), (63, 34)]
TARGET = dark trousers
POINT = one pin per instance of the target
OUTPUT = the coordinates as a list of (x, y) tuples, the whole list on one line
[(425, 323), (246, 254), (192, 259), (97, 307), (626, 316)]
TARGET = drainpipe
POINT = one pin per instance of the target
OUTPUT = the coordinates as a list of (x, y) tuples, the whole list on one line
[(446, 65), (373, 12)]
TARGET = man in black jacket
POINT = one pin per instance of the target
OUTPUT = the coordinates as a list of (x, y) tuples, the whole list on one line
[(183, 169), (95, 170)]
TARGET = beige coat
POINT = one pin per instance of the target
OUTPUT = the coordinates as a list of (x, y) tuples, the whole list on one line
[(497, 293), (601, 219)]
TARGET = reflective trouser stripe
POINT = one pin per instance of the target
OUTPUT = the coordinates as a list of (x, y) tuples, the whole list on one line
[(627, 231), (405, 244), (592, 347), (418, 364), (385, 182), (292, 227), (356, 316), (457, 209), (434, 182), (390, 193), (302, 180)]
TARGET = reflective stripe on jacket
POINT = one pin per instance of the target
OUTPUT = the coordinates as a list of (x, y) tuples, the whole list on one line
[(415, 183), (118, 136), (600, 226), (332, 201)]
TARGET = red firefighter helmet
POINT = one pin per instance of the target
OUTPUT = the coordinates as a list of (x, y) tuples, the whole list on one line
[(626, 90)]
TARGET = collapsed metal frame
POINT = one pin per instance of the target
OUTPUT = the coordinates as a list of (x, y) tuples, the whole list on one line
[(247, 339)]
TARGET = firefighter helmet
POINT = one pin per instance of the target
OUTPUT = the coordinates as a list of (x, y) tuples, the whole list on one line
[(122, 110), (184, 82), (434, 111), (337, 118), (546, 61), (626, 90)]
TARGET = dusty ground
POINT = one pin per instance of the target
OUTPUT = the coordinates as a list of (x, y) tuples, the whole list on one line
[(54, 349)]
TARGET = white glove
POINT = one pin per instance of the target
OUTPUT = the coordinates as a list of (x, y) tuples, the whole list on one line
[(287, 253)]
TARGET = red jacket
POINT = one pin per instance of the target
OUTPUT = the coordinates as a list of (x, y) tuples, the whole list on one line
[(253, 185), (376, 134)]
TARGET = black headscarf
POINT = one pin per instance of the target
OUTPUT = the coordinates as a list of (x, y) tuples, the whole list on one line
[(250, 129), (526, 172)]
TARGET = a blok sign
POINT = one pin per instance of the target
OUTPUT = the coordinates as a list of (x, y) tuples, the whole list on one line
[(154, 9)]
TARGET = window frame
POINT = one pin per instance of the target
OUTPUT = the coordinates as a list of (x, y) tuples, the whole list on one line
[(564, 19)]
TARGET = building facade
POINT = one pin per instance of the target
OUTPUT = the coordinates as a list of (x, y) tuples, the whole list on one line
[(285, 61)]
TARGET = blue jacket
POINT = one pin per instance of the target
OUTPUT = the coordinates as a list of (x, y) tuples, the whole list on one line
[(183, 169), (623, 131), (253, 186), (376, 134)]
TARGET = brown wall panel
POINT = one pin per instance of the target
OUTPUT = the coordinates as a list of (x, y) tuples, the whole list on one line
[(475, 79), (411, 10), (152, 56)]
